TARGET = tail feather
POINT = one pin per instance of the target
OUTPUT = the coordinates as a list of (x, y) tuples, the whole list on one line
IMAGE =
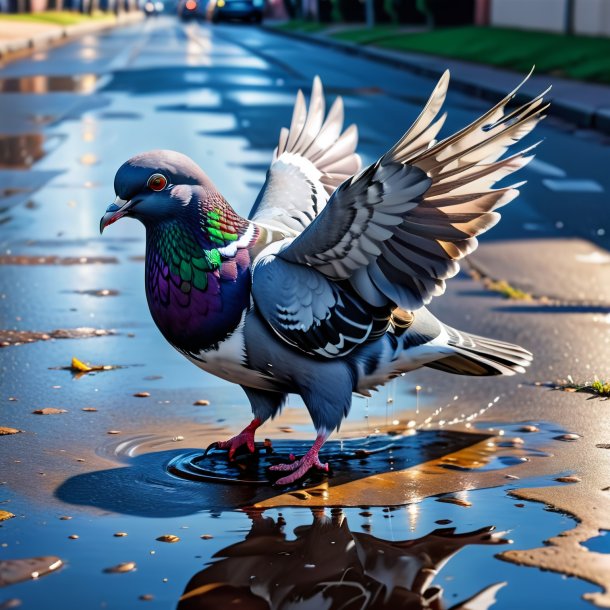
[(481, 356)]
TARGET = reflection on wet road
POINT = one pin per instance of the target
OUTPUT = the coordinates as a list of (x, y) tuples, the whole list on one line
[(328, 566), (89, 483)]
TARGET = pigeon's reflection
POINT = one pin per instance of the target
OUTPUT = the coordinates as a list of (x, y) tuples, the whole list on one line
[(328, 567)]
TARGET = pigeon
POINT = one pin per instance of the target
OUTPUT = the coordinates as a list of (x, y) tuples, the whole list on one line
[(322, 290)]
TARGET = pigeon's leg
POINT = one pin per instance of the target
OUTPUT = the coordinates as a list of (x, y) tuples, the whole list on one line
[(245, 437), (264, 405), (307, 462)]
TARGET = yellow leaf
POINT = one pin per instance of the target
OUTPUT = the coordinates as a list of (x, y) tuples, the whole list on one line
[(4, 515), (77, 365)]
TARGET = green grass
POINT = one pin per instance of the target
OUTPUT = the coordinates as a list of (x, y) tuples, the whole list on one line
[(300, 25), (579, 57), (596, 387), (367, 35), (507, 290), (62, 18)]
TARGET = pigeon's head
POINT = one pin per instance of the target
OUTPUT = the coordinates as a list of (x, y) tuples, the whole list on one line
[(154, 186)]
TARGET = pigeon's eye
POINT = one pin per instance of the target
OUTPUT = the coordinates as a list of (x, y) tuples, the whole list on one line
[(157, 182)]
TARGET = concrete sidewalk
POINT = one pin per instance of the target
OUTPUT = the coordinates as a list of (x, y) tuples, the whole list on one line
[(584, 104), (18, 38)]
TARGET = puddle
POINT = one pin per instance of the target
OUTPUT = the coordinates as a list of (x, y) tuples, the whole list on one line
[(104, 292), (23, 259), (364, 558), (117, 115), (20, 337), (349, 459), (599, 544), (78, 83), (156, 475), (21, 151), (326, 565)]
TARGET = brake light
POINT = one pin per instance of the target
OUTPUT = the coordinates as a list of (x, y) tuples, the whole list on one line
[(191, 5)]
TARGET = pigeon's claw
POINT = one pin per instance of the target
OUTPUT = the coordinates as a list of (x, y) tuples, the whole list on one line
[(245, 437), (300, 467)]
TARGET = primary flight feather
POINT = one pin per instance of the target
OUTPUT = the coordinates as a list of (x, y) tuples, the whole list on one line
[(322, 290)]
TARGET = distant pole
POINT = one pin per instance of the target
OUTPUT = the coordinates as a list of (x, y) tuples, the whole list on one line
[(370, 13), (569, 17)]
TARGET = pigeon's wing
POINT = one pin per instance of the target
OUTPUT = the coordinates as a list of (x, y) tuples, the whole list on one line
[(309, 311), (312, 158), (397, 230)]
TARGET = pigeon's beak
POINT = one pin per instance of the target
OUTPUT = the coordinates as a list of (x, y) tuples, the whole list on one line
[(115, 210)]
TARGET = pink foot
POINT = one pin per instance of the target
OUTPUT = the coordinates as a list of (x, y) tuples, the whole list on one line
[(245, 437), (301, 467)]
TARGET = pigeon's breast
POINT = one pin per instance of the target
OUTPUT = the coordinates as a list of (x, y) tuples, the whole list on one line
[(228, 360), (196, 318)]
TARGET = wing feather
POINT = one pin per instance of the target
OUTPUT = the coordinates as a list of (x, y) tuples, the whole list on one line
[(397, 230), (308, 311), (311, 159)]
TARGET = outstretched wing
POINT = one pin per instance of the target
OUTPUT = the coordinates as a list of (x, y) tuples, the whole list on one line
[(312, 158), (397, 230)]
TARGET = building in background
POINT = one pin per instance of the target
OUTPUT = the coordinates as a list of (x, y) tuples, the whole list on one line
[(588, 17)]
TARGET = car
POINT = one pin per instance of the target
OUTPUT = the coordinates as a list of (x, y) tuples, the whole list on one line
[(151, 8), (236, 10), (191, 9)]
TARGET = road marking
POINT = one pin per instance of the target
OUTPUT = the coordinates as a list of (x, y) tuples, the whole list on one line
[(546, 169), (573, 186)]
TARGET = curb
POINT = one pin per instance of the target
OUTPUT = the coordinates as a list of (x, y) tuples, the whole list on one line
[(582, 115), (60, 34)]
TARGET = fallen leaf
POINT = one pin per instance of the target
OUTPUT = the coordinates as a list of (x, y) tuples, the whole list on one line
[(142, 394), (89, 409), (201, 403), (79, 366), (49, 411), (5, 515), (4, 430), (168, 538)]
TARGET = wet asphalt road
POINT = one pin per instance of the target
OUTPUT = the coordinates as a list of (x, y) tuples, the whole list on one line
[(69, 117)]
